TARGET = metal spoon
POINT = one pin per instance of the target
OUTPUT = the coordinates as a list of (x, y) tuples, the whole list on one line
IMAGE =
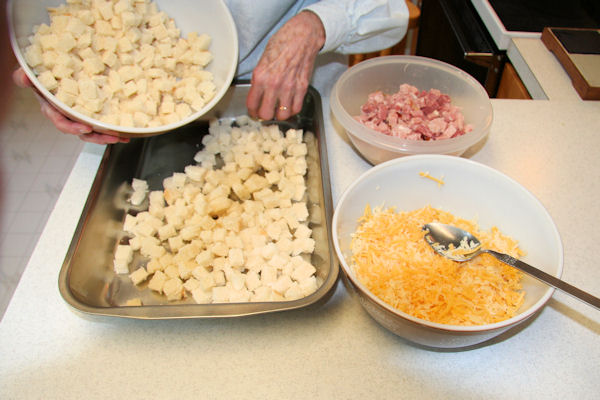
[(465, 246)]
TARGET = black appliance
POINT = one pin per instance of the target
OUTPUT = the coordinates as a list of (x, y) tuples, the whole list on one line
[(452, 30), (535, 15)]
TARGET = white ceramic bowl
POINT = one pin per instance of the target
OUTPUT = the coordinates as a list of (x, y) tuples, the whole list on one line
[(211, 17), (387, 74), (471, 191)]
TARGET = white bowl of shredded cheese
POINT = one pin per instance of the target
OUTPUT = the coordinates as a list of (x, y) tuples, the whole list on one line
[(414, 292), (127, 68)]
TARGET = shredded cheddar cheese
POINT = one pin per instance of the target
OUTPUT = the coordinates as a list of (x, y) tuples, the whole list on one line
[(440, 181), (391, 258)]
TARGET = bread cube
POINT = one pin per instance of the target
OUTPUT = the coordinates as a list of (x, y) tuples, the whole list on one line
[(122, 5), (105, 9), (294, 292), (48, 41), (144, 228), (190, 232), (138, 276), (268, 275), (76, 25), (157, 281), (157, 211), (206, 281), (308, 285), (130, 19), (284, 245), (302, 231), (153, 266), (252, 280), (235, 279), (201, 296), (218, 277), (47, 79), (33, 55), (93, 65), (124, 252), (297, 149), (300, 211), (135, 243), (67, 98), (302, 269), (66, 42), (166, 231), (156, 198), (220, 294), (282, 284), (188, 251), (255, 183), (185, 269), (261, 293), (173, 289), (303, 245), (279, 260), (195, 173), (218, 206), (236, 257), (239, 295), (172, 271), (121, 266), (136, 302)]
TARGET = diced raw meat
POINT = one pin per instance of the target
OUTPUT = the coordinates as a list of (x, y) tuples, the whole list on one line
[(413, 114)]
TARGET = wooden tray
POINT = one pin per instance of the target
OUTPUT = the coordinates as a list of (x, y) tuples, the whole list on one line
[(578, 50)]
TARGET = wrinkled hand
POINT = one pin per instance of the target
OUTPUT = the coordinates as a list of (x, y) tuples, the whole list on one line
[(281, 77), (63, 123)]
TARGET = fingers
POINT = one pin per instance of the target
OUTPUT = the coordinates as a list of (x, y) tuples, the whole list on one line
[(284, 109), (262, 98), (61, 122), (21, 79), (100, 138), (84, 132)]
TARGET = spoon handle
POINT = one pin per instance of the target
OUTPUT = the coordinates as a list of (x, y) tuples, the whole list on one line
[(547, 278)]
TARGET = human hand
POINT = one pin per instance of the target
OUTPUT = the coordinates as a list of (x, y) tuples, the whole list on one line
[(281, 77), (63, 123)]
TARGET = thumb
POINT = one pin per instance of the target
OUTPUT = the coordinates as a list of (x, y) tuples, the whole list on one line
[(21, 79)]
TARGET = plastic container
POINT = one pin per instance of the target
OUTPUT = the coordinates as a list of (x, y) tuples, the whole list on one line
[(387, 74), (212, 18)]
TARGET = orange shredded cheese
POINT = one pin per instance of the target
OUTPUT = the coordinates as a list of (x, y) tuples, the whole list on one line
[(391, 258), (440, 181)]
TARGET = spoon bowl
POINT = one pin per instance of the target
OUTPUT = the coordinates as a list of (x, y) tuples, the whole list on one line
[(459, 245)]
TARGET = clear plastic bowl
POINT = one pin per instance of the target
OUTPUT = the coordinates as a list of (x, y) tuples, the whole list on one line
[(387, 74), (212, 18)]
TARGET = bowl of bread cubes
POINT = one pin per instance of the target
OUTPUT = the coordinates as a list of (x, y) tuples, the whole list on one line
[(130, 68)]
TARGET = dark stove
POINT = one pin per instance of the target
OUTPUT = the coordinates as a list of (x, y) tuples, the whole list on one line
[(535, 15)]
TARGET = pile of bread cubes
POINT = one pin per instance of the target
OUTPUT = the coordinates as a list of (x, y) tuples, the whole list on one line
[(234, 226), (122, 62)]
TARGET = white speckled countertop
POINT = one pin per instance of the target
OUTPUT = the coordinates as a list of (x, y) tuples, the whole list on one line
[(334, 350)]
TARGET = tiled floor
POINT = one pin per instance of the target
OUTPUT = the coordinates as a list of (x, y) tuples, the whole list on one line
[(35, 161)]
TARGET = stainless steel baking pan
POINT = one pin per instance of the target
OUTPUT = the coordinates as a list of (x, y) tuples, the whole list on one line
[(87, 281)]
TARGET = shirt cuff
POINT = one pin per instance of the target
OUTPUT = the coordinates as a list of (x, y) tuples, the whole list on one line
[(335, 21)]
